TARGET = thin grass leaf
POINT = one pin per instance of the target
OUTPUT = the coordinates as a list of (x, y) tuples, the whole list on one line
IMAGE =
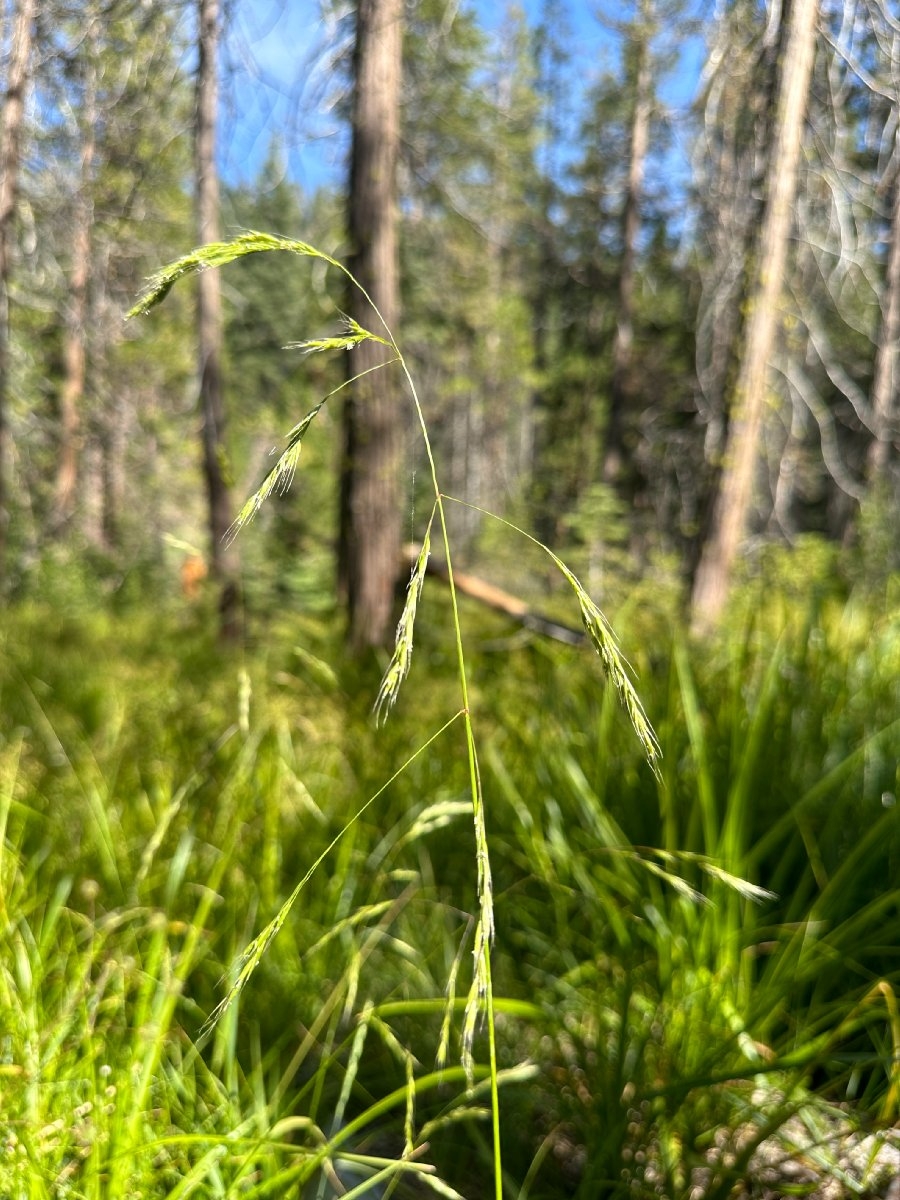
[(252, 955), (400, 1052), (409, 1116), (390, 1175), (398, 668), (219, 254), (521, 1010)]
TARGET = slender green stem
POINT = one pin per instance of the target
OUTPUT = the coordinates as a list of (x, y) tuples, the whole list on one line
[(481, 840), (485, 895), (218, 254)]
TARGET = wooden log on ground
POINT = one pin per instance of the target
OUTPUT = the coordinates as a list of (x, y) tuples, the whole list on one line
[(499, 600)]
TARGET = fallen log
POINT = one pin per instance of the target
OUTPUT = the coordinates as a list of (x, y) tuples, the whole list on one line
[(499, 600)]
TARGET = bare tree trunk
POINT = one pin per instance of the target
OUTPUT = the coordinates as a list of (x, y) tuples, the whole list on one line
[(222, 559), (370, 496), (74, 347), (622, 386), (735, 495), (886, 384), (10, 136)]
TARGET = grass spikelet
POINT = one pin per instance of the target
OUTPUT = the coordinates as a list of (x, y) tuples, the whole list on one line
[(744, 888), (356, 1052), (280, 476), (679, 885), (218, 254), (603, 640), (480, 996), (398, 668), (449, 1008), (409, 1140), (346, 341), (484, 931)]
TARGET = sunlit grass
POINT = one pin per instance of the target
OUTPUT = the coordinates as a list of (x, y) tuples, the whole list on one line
[(673, 956)]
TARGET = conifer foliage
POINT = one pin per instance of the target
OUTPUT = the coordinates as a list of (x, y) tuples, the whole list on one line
[(566, 216)]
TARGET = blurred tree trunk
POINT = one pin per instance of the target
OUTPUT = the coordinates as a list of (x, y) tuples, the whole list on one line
[(10, 135), (735, 493), (222, 558), (621, 393), (886, 384), (74, 341), (370, 495)]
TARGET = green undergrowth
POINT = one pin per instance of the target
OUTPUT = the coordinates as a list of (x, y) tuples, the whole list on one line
[(672, 954)]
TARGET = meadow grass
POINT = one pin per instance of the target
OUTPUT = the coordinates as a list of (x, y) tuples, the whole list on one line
[(128, 895), (742, 924), (647, 996)]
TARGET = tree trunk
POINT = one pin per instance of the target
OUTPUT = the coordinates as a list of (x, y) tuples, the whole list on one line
[(735, 495), (615, 452), (10, 136), (370, 496), (74, 347), (886, 384), (222, 558)]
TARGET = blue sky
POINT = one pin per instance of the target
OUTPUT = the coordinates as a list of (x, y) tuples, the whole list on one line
[(276, 81)]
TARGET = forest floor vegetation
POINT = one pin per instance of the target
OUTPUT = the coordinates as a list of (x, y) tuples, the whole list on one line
[(695, 975)]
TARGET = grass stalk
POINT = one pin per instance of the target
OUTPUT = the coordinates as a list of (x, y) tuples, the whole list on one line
[(482, 987)]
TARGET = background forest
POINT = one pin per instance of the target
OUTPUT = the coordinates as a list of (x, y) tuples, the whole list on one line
[(649, 299)]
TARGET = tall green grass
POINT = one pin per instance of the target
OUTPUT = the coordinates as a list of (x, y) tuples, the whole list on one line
[(159, 806), (727, 945), (136, 868)]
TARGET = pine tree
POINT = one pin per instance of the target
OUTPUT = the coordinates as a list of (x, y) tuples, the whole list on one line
[(735, 494), (370, 504), (222, 556), (10, 149)]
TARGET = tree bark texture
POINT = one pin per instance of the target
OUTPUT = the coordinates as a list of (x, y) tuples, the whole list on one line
[(370, 486), (222, 558), (10, 137), (74, 342), (735, 494), (615, 452), (886, 384)]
